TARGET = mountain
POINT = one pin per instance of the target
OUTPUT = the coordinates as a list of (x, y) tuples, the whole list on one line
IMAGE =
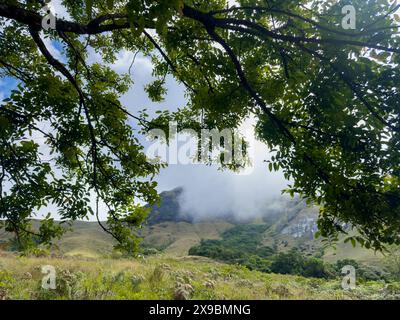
[(287, 224), (171, 229), (290, 216), (168, 209)]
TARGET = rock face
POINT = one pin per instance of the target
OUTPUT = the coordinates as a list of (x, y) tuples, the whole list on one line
[(169, 209), (305, 227), (303, 224)]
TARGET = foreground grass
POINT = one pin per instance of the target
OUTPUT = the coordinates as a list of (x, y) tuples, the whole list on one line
[(164, 277)]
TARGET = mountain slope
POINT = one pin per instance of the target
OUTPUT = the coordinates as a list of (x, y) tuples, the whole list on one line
[(289, 224)]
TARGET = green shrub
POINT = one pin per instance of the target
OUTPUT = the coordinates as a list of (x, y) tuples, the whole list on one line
[(68, 286), (294, 263), (156, 276), (346, 262), (150, 251), (7, 283), (363, 272), (239, 245)]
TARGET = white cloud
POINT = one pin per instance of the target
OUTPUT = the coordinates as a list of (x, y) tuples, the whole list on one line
[(59, 10), (211, 192), (142, 65)]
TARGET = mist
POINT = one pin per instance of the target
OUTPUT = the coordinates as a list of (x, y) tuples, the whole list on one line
[(211, 193)]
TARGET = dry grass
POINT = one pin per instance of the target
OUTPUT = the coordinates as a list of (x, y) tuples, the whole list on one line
[(159, 277)]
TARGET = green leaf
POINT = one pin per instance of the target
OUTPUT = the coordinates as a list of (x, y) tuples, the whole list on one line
[(89, 8)]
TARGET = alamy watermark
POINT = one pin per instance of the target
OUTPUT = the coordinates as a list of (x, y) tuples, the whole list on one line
[(49, 280), (49, 20), (349, 279), (349, 21)]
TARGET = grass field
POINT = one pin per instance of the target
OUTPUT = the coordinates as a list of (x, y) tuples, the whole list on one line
[(88, 268), (167, 277)]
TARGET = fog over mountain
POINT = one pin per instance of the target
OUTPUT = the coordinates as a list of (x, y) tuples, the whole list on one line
[(209, 192)]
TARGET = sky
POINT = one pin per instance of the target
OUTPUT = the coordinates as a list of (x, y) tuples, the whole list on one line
[(207, 190)]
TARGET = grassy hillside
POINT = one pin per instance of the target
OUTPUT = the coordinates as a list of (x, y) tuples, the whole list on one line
[(86, 239), (165, 277), (178, 237)]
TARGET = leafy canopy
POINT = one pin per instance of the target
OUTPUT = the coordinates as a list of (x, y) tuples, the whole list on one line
[(325, 98)]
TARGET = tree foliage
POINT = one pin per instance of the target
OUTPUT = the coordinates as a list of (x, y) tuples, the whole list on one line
[(325, 98)]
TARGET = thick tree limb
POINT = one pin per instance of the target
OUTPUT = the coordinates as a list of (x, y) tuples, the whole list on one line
[(34, 20)]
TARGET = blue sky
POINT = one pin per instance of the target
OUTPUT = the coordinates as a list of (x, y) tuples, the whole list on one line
[(6, 85)]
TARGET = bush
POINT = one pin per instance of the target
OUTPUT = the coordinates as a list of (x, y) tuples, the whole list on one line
[(239, 245), (345, 262), (150, 251), (254, 262), (294, 263), (373, 273), (288, 263), (68, 286), (314, 267), (156, 276), (363, 272), (7, 282)]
